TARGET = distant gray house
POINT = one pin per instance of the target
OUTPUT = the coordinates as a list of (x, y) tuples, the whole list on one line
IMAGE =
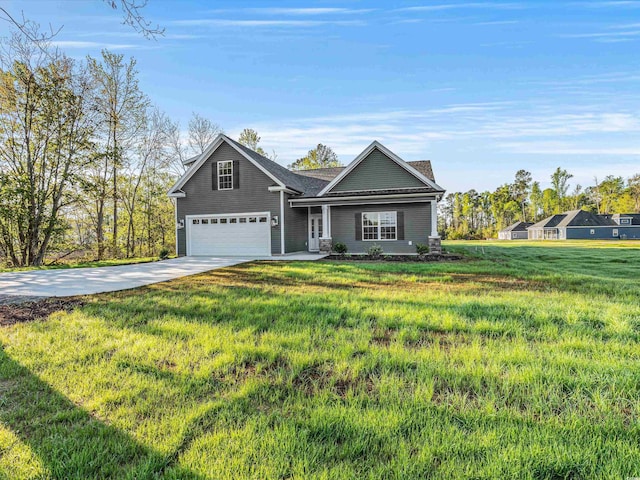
[(517, 231), (578, 224), (233, 201)]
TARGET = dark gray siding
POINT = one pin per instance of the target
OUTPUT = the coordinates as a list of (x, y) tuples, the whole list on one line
[(295, 228), (377, 172), (519, 235), (252, 196), (603, 233), (417, 224)]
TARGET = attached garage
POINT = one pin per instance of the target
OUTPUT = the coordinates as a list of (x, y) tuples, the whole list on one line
[(237, 234)]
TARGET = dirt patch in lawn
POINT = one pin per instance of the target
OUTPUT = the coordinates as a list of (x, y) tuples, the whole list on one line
[(10, 314)]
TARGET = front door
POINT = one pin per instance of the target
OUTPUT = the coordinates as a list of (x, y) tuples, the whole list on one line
[(315, 232)]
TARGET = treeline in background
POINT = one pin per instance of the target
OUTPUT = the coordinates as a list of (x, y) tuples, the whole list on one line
[(475, 215)]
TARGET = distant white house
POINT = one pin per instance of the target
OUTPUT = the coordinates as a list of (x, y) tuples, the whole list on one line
[(517, 231)]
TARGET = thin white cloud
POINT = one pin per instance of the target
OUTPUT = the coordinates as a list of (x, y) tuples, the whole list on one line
[(491, 126), (307, 11), (602, 35), (557, 148), (216, 22), (498, 22), (610, 77), (626, 4), (88, 45), (463, 6)]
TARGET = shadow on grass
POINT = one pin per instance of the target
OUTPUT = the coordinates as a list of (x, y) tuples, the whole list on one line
[(69, 441)]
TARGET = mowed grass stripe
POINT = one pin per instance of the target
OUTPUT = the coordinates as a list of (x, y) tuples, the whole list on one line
[(514, 363)]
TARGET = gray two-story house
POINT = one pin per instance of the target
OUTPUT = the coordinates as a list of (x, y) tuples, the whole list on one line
[(233, 201)]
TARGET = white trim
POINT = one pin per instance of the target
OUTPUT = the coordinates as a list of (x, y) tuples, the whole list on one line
[(347, 192), (434, 220), (226, 174), (362, 225), (282, 243), (375, 144), (326, 222), (208, 152), (175, 211), (187, 224), (308, 228), (325, 200), (275, 188)]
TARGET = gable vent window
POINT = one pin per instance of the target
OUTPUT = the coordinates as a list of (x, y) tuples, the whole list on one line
[(225, 175)]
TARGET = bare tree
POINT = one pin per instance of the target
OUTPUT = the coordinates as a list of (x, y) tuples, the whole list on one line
[(202, 132), (132, 16), (121, 107), (150, 156)]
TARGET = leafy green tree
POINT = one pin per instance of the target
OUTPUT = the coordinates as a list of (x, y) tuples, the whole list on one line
[(250, 139), (633, 184), (549, 202), (560, 183), (320, 157), (611, 189), (521, 188), (45, 138), (535, 201)]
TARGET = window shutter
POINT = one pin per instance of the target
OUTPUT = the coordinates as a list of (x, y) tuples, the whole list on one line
[(358, 225), (214, 176), (236, 174), (400, 227)]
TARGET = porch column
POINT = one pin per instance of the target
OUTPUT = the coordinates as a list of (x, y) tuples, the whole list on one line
[(325, 240), (434, 239), (434, 220)]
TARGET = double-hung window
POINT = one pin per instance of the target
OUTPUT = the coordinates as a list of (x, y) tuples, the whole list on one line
[(225, 175), (379, 226)]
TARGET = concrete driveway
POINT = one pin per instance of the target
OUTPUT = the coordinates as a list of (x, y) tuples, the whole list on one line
[(83, 281)]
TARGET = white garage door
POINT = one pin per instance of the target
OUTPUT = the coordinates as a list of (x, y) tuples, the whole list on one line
[(233, 234)]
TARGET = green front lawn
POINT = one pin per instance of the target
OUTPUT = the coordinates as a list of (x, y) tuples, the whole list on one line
[(522, 362)]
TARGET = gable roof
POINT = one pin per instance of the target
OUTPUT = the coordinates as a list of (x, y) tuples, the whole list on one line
[(580, 218), (329, 173), (310, 183), (574, 218), (517, 227), (365, 153), (280, 175)]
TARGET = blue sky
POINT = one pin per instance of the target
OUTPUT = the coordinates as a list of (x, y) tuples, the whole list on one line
[(480, 88)]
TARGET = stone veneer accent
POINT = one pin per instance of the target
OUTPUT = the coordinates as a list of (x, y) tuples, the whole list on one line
[(326, 244), (435, 245)]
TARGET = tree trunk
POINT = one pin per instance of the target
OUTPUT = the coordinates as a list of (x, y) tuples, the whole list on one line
[(115, 191)]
